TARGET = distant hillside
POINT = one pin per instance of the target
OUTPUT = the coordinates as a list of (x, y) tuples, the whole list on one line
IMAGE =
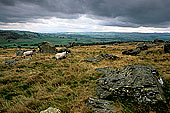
[(25, 38), (17, 34), (5, 35)]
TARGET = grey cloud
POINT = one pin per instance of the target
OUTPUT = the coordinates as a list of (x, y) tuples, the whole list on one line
[(141, 12), (133, 13)]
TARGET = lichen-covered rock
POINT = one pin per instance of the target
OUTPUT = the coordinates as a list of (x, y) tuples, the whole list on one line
[(10, 62), (142, 46), (102, 106), (51, 110), (20, 53), (167, 48), (46, 47), (101, 57), (140, 83), (93, 59), (132, 52), (108, 56)]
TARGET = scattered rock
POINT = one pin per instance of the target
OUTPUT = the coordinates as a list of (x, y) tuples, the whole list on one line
[(158, 41), (10, 62), (20, 53), (138, 83), (167, 48), (103, 46), (46, 47), (51, 110), (101, 57), (154, 52), (132, 52), (142, 46), (93, 59), (108, 56), (102, 106)]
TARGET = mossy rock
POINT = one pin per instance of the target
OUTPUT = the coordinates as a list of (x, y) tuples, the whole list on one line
[(46, 47)]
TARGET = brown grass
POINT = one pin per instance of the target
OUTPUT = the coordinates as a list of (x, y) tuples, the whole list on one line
[(36, 84)]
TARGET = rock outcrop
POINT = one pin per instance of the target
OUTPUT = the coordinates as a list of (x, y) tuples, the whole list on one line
[(46, 47), (101, 57), (167, 48), (132, 52), (142, 83), (142, 46)]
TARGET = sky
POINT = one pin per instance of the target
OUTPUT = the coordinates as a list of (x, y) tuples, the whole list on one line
[(51, 16)]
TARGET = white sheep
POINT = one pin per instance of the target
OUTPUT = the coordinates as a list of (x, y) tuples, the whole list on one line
[(61, 55), (28, 53)]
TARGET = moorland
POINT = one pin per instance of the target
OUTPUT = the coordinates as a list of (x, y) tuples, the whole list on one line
[(34, 84)]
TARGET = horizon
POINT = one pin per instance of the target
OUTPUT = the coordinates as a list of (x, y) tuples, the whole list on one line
[(84, 32)]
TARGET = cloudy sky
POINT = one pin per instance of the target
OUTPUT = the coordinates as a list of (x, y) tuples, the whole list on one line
[(85, 15)]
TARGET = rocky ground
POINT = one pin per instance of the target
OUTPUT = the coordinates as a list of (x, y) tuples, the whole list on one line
[(37, 83)]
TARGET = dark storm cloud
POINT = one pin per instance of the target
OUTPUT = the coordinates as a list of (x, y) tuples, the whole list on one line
[(131, 13)]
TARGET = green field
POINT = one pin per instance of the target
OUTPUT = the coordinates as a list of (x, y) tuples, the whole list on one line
[(28, 39)]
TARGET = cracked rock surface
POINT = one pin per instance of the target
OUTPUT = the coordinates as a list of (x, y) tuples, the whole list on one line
[(141, 83)]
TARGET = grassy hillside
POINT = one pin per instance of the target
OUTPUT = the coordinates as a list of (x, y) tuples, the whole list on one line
[(33, 85)]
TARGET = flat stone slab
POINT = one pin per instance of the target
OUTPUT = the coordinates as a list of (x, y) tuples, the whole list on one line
[(101, 57), (51, 110), (102, 106), (140, 83), (10, 62)]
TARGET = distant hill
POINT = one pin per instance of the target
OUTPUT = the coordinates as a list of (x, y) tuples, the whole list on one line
[(13, 38), (5, 35), (17, 34)]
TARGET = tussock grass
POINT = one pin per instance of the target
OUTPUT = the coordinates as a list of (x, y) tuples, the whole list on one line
[(33, 85)]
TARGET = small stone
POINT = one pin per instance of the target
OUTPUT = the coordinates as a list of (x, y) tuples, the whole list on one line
[(10, 62), (51, 110)]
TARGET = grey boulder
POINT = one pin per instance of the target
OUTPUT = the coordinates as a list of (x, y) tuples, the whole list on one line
[(139, 83), (101, 57), (132, 52)]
